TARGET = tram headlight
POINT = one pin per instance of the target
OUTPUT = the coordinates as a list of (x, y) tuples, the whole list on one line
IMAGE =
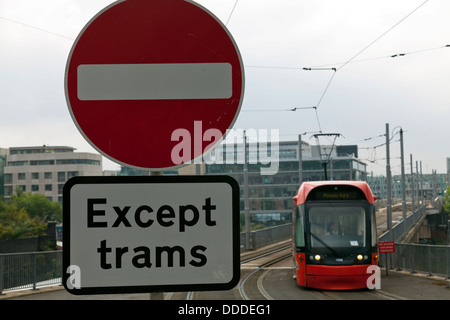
[(317, 257), (359, 257)]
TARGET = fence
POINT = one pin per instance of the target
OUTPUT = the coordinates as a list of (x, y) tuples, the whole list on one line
[(30, 270), (35, 269), (429, 259), (421, 258), (267, 236), (403, 226)]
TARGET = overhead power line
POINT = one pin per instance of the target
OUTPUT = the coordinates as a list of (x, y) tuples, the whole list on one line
[(390, 56), (280, 110), (382, 35), (274, 67), (36, 28), (232, 10), (330, 66), (356, 55)]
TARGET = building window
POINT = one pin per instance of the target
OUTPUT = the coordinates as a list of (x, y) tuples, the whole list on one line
[(41, 162), (8, 190), (21, 176), (48, 187), (22, 187), (35, 187), (78, 161), (71, 174), (47, 175), (17, 163), (35, 175), (8, 178), (61, 176)]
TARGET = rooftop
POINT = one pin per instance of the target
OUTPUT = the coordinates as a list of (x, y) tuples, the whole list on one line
[(40, 149)]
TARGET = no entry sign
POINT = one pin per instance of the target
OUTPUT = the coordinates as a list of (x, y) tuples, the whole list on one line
[(142, 69), (150, 233)]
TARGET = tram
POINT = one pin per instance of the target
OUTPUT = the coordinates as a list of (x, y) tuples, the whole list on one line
[(334, 234)]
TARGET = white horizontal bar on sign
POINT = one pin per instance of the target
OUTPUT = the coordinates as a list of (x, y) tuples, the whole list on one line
[(154, 81)]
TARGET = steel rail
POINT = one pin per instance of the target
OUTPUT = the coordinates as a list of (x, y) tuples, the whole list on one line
[(242, 282)]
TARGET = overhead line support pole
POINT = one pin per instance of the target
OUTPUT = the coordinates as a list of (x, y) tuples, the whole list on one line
[(403, 176), (246, 204)]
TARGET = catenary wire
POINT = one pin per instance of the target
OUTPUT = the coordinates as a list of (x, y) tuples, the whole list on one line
[(231, 13), (36, 28), (382, 35), (358, 53)]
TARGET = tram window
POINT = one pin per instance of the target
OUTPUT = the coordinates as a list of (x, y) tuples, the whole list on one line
[(337, 226), (299, 228)]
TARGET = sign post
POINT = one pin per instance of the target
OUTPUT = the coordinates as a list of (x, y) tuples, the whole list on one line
[(144, 76), (152, 84), (150, 234), (386, 247)]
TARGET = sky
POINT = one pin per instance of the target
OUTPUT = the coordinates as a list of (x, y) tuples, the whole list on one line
[(390, 58)]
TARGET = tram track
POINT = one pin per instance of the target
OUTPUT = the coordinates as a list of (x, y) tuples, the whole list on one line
[(261, 266), (257, 268), (258, 259), (259, 263), (360, 295)]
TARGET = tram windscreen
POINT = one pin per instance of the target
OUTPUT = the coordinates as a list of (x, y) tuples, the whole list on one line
[(337, 226)]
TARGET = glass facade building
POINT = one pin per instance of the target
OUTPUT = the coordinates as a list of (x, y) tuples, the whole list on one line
[(270, 196)]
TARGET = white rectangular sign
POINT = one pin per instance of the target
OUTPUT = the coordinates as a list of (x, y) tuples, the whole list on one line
[(150, 233), (154, 81)]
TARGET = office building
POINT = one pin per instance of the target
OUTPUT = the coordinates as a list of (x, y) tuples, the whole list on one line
[(45, 169), (273, 184), (425, 186)]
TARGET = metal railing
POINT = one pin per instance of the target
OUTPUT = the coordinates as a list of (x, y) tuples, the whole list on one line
[(30, 270), (400, 229), (36, 269), (262, 237), (419, 258)]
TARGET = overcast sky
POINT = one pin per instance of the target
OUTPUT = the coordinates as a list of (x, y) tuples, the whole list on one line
[(277, 39)]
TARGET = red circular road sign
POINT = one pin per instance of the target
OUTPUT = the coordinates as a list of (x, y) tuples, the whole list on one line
[(146, 78)]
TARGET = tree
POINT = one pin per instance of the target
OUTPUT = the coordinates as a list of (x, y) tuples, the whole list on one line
[(446, 200), (37, 205), (26, 215), (16, 223)]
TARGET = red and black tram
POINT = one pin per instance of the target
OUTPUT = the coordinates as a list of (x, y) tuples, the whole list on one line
[(334, 234)]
